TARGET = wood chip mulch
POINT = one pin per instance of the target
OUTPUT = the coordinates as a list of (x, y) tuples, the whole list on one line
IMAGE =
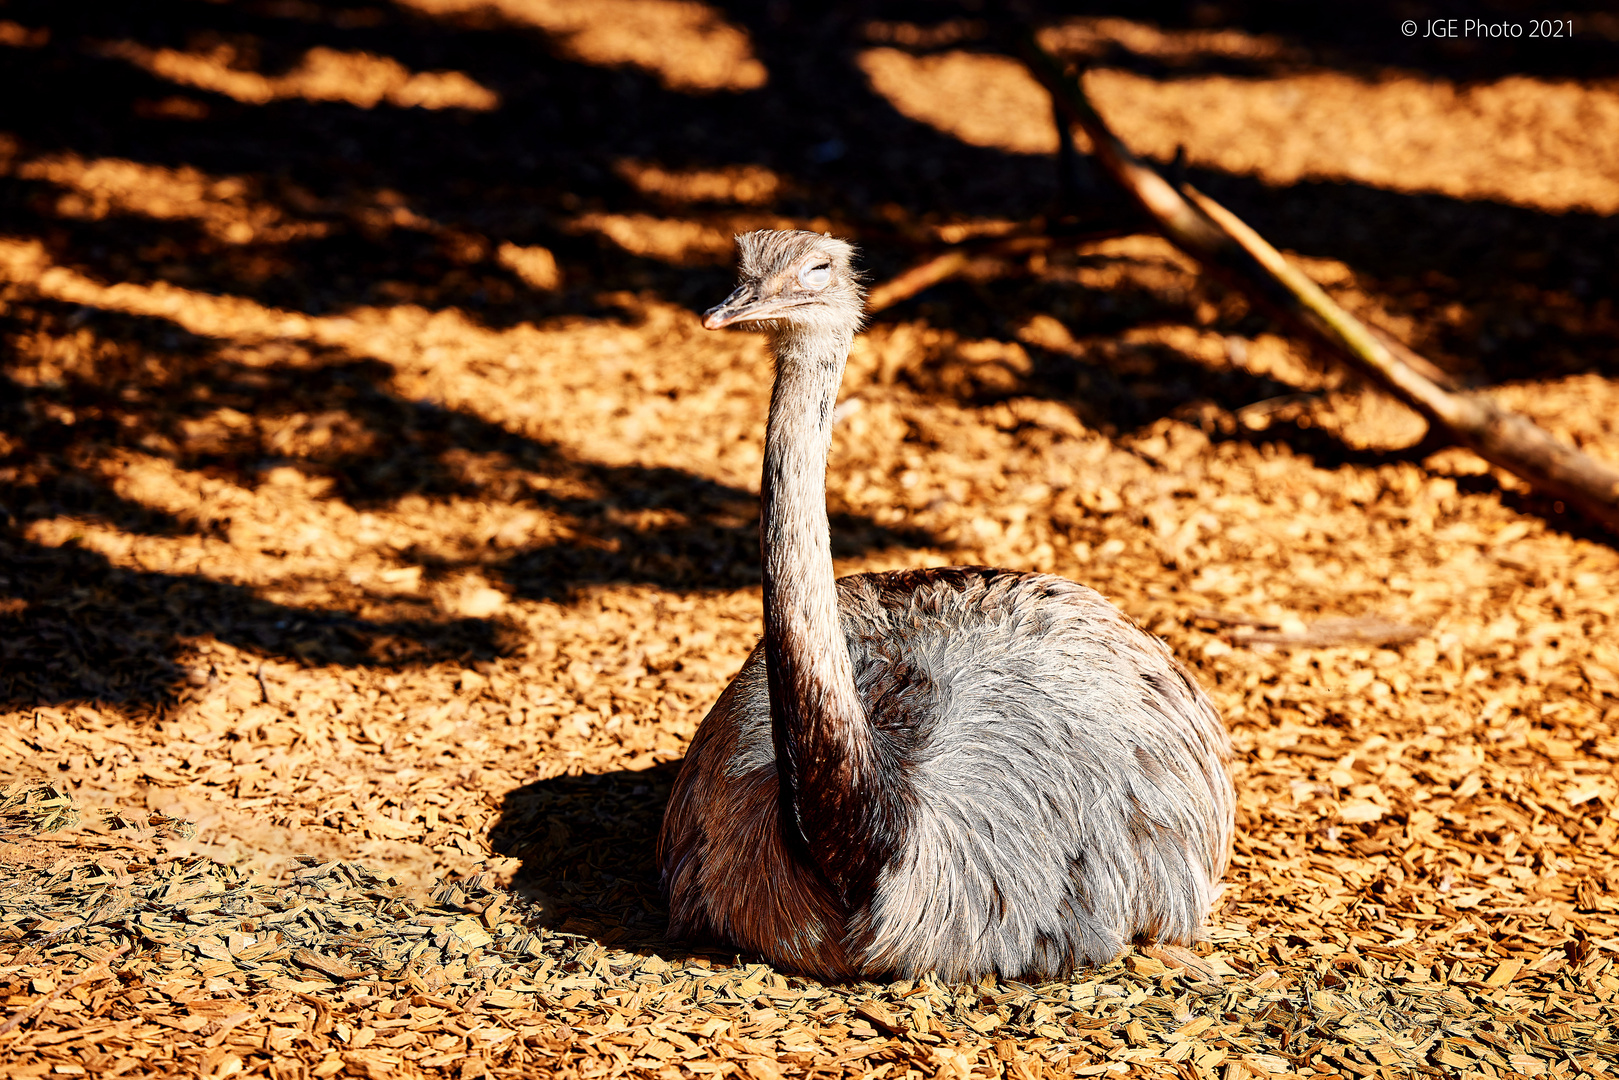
[(121, 958), (377, 524)]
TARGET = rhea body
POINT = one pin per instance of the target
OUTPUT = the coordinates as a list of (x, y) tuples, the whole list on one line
[(962, 770)]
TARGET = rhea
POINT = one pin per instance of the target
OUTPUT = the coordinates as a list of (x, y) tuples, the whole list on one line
[(962, 770)]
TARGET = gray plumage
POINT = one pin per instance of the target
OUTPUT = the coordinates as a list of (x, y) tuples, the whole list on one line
[(960, 770)]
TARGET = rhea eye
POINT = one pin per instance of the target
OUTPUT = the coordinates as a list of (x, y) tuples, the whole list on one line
[(818, 276)]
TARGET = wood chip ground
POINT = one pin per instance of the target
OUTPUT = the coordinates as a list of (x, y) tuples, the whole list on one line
[(378, 525)]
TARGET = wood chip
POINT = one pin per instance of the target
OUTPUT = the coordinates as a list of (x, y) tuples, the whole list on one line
[(881, 1018), (326, 965)]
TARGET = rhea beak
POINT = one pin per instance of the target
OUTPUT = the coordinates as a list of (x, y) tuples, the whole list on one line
[(744, 305)]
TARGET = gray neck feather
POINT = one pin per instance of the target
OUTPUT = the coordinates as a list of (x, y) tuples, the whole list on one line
[(822, 739)]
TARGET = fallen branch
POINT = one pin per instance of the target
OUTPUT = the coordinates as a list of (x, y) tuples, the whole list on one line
[(1242, 259), (947, 264)]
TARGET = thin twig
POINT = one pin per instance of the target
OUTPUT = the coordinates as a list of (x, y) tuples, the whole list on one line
[(264, 687), (1326, 633), (923, 275), (1237, 255), (1228, 618)]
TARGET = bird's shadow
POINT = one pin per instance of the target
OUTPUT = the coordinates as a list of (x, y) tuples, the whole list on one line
[(587, 845)]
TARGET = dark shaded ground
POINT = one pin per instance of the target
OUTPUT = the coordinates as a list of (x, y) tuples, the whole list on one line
[(522, 173)]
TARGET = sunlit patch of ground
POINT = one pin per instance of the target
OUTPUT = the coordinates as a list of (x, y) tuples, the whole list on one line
[(1533, 142), (689, 46), (387, 507), (323, 75)]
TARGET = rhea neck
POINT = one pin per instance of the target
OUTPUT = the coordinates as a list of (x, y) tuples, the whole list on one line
[(824, 744)]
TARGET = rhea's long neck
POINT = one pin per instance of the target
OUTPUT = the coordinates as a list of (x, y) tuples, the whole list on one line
[(823, 741)]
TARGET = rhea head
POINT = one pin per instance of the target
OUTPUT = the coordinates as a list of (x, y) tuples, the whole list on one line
[(802, 281)]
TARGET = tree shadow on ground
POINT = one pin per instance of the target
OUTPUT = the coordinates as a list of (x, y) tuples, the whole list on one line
[(1327, 451), (75, 627), (82, 627), (1368, 39), (415, 202)]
